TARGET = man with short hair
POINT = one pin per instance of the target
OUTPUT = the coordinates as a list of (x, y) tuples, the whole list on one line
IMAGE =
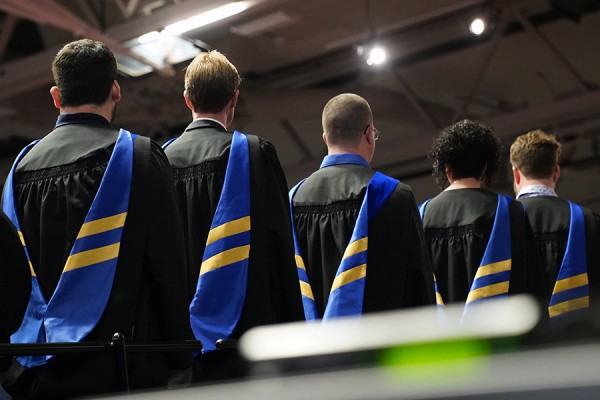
[(102, 231), (359, 238), (567, 234), (233, 195)]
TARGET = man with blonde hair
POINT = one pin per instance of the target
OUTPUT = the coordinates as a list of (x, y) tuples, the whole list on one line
[(359, 238), (232, 192), (567, 234)]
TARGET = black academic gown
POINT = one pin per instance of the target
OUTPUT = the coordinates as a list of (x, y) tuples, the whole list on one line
[(549, 218), (55, 184), (15, 283), (199, 159), (457, 226), (325, 209)]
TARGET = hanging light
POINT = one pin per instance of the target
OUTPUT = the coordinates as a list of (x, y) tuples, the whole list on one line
[(377, 55), (477, 26)]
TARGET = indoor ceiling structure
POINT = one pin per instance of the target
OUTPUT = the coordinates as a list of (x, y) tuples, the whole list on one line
[(537, 65)]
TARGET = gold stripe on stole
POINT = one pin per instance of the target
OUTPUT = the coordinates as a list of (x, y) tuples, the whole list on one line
[(225, 258), (306, 290), (570, 283), (228, 229), (488, 291), (93, 256), (438, 299), (349, 276), (300, 262), (571, 305), (102, 225), (356, 247), (22, 239), (493, 268)]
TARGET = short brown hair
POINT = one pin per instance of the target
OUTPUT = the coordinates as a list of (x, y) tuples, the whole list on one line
[(535, 154), (211, 81), (84, 72), (345, 118)]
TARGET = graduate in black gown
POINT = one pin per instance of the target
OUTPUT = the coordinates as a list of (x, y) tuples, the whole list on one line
[(326, 208), (534, 157), (458, 222), (55, 187), (266, 289)]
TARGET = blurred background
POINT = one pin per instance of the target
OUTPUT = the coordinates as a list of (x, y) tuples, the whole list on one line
[(422, 65)]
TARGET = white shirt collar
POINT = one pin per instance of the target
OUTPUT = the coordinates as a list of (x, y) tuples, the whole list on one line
[(536, 191)]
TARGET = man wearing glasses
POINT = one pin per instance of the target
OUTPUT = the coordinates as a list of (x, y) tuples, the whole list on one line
[(358, 235)]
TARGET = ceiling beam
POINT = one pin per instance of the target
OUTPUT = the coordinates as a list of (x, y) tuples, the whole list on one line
[(543, 40)]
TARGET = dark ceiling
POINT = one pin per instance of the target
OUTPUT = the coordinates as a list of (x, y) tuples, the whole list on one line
[(536, 67)]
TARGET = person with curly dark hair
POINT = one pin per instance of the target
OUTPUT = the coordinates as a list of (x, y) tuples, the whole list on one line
[(480, 242)]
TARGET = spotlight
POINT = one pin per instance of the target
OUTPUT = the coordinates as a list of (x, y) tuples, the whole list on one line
[(377, 55), (477, 26)]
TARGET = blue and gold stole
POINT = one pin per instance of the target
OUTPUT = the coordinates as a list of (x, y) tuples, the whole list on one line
[(347, 291), (571, 292), (217, 305), (492, 278), (84, 287)]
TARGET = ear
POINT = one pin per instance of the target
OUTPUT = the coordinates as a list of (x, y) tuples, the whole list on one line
[(115, 92), (54, 94), (234, 99), (369, 134), (188, 103), (448, 172), (556, 175), (324, 138), (516, 175)]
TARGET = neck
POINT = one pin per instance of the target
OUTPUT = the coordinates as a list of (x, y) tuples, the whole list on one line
[(331, 150), (528, 181), (221, 117), (464, 183)]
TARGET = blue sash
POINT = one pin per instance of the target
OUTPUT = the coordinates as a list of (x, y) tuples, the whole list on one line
[(347, 291), (308, 299), (71, 313), (217, 305), (571, 291), (492, 278)]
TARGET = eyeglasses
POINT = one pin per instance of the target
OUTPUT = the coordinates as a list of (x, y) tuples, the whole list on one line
[(376, 132)]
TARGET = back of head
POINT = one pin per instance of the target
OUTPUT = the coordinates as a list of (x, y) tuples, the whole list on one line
[(470, 149), (84, 72), (211, 81), (535, 154), (345, 118)]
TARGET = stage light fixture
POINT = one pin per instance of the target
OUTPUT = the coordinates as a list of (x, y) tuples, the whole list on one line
[(377, 55), (477, 26)]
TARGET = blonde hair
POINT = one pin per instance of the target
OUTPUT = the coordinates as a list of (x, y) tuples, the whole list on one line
[(535, 154), (211, 81)]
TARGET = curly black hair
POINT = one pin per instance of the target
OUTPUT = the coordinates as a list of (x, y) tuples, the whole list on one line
[(469, 148)]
